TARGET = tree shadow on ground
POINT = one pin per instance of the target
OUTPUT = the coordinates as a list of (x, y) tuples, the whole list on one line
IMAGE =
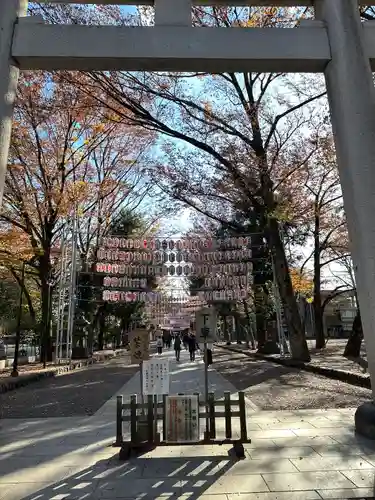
[(78, 393), (30, 444), (139, 478), (277, 387)]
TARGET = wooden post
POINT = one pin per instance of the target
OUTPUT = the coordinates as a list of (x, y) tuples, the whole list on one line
[(211, 407), (199, 421), (228, 418), (243, 429), (164, 417), (156, 436), (150, 418), (133, 418), (119, 403)]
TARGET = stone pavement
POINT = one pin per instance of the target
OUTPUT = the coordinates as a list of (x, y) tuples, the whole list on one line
[(300, 454)]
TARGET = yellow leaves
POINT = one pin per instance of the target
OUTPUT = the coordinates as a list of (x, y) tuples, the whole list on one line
[(107, 186), (16, 167), (98, 128), (302, 282), (14, 246), (74, 194), (113, 117), (207, 111)]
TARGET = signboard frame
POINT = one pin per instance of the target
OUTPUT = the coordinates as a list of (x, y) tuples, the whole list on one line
[(174, 424), (151, 371)]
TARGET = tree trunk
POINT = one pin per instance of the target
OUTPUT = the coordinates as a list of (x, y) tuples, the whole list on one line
[(297, 336), (353, 346), (45, 334), (249, 325), (260, 254), (320, 341), (260, 319), (225, 328), (101, 332), (26, 295)]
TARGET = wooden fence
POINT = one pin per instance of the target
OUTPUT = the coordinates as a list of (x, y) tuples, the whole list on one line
[(154, 411)]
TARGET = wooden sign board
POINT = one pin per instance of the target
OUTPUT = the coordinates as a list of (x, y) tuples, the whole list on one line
[(182, 419), (206, 318), (139, 343)]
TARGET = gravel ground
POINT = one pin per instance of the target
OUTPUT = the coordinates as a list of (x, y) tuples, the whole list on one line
[(74, 394), (274, 387)]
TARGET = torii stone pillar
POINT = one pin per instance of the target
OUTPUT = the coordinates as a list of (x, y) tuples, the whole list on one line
[(351, 97), (10, 10)]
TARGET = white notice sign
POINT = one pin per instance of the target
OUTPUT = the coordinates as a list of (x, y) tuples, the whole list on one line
[(182, 419), (155, 376)]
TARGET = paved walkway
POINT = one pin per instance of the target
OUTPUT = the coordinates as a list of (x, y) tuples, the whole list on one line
[(300, 454), (76, 393)]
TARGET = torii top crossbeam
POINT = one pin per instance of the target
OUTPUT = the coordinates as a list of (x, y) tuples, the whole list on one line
[(258, 3)]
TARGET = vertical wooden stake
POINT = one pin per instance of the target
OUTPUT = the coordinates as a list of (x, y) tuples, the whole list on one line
[(243, 429), (228, 417), (211, 407), (133, 418), (119, 403), (164, 417), (150, 418)]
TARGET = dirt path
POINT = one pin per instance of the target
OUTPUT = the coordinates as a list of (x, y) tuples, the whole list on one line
[(275, 387)]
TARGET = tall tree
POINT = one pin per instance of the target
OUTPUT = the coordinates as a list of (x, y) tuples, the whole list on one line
[(314, 202), (247, 115), (63, 158)]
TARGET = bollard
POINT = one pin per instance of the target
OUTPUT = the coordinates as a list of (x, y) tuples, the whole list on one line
[(133, 418), (119, 402), (228, 418), (211, 409), (150, 418), (242, 407), (164, 417)]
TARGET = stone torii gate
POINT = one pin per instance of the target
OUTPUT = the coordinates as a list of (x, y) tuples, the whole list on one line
[(335, 43)]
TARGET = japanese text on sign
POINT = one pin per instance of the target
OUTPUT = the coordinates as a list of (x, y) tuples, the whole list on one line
[(155, 377), (139, 341), (182, 419)]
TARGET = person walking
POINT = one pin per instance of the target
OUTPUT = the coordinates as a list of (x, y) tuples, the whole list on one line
[(159, 345), (192, 347), (177, 347), (185, 340)]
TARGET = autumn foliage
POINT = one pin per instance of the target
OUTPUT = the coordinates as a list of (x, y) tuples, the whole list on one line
[(67, 159)]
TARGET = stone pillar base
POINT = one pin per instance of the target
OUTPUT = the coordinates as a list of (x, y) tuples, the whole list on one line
[(365, 420)]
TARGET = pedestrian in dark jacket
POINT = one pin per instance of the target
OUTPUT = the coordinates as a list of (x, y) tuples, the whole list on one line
[(177, 347), (192, 347)]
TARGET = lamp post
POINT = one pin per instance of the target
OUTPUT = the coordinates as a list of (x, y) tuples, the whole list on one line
[(18, 330)]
